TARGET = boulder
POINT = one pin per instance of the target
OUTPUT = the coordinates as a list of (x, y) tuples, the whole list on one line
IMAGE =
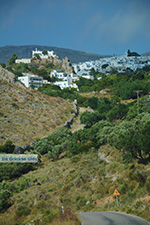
[(18, 150)]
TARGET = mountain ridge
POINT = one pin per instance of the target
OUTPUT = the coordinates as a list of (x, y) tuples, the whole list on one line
[(25, 51)]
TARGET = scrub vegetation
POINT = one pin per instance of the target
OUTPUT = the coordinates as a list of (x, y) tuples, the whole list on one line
[(80, 169)]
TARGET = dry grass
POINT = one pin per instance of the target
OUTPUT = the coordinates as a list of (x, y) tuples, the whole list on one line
[(103, 93), (28, 114)]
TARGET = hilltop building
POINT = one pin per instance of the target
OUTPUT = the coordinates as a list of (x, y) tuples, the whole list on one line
[(43, 56)]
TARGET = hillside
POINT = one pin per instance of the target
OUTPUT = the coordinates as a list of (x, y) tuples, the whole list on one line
[(26, 114), (84, 182), (107, 148), (146, 54), (25, 52)]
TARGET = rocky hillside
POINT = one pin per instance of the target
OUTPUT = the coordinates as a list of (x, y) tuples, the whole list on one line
[(26, 114), (54, 63)]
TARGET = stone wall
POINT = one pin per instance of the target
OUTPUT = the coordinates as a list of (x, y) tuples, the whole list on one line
[(70, 120)]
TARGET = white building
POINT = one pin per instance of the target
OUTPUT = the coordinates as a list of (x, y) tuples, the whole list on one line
[(58, 74), (88, 77), (49, 53), (66, 84), (30, 79), (23, 61), (62, 84)]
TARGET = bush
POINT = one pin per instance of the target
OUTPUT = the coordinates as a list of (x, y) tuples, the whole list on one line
[(92, 102), (62, 134), (23, 211), (55, 152), (22, 184), (90, 118), (148, 184), (49, 216), (13, 170), (44, 146), (5, 185), (8, 147), (104, 105), (4, 196)]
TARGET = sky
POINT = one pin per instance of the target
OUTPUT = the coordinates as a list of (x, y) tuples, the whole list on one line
[(94, 26)]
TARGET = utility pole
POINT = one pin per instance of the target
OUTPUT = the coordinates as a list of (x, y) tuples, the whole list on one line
[(137, 92)]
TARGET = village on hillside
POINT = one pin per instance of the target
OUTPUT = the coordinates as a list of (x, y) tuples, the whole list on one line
[(67, 78)]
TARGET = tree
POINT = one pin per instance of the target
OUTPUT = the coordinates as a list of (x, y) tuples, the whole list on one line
[(93, 73), (8, 147), (90, 118), (62, 134), (104, 66), (37, 56), (132, 53), (133, 138), (104, 105), (4, 196), (44, 146), (44, 52), (3, 65), (129, 52), (118, 112), (12, 59), (43, 73), (92, 102)]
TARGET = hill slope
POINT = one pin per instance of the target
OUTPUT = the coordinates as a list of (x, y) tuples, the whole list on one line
[(26, 114), (84, 182), (25, 52), (146, 54)]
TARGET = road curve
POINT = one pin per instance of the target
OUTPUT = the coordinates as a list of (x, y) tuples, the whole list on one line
[(110, 218)]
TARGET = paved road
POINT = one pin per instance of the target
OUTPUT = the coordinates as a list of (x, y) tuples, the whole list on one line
[(110, 218)]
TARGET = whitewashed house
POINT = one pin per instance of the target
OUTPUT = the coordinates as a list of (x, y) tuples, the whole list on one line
[(58, 74), (23, 61), (30, 79), (88, 77), (62, 84)]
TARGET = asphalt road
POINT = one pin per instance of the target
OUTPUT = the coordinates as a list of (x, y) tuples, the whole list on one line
[(110, 218)]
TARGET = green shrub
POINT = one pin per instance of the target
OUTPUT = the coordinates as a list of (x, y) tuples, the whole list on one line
[(148, 184), (13, 170), (55, 152), (4, 196), (22, 211), (80, 201), (44, 146), (90, 118), (8, 147), (140, 177), (6, 185), (62, 134), (22, 184), (49, 216)]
